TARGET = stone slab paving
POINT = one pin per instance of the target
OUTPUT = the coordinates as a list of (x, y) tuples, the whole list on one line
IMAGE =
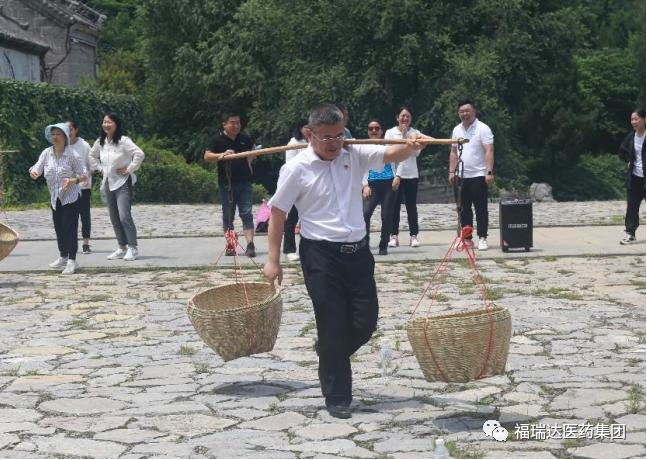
[(108, 365), (155, 221)]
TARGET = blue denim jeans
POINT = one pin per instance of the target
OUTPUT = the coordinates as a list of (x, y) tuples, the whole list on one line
[(240, 194)]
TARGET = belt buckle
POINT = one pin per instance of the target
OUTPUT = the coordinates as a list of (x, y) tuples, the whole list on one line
[(347, 248)]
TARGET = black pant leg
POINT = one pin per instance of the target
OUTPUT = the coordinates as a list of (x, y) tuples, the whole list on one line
[(387, 202), (289, 238), (71, 228), (635, 196), (84, 212), (57, 218), (369, 205), (467, 217), (410, 187), (480, 198), (395, 224)]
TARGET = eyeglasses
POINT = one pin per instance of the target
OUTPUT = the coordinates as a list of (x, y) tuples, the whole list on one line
[(330, 139), (374, 128)]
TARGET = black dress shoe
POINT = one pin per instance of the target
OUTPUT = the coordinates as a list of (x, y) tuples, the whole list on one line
[(338, 411), (383, 252)]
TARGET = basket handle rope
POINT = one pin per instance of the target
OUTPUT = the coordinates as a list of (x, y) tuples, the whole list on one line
[(459, 243), (232, 242)]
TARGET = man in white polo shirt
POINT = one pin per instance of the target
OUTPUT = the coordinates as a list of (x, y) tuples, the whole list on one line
[(478, 164), (325, 184)]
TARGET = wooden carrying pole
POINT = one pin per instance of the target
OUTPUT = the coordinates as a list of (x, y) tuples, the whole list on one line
[(283, 148)]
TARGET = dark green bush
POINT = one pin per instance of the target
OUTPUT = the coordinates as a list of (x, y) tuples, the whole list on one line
[(26, 108), (593, 177)]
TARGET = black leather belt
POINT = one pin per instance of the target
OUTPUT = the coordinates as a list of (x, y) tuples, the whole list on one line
[(344, 248)]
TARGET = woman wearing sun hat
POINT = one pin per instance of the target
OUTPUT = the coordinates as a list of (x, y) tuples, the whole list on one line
[(63, 172)]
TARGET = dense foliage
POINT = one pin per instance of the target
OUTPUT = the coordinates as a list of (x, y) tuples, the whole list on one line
[(556, 80), (26, 108)]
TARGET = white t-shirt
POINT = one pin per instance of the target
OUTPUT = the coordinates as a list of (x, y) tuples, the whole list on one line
[(82, 150), (638, 160), (328, 194), (479, 135), (407, 169), (291, 154)]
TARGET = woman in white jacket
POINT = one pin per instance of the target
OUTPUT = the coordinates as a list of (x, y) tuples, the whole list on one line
[(118, 157), (405, 182)]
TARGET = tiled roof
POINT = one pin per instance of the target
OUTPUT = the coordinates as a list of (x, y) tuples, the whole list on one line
[(14, 35)]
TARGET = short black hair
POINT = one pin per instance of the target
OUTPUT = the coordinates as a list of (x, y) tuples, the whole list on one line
[(640, 112), (229, 114), (466, 101), (404, 107)]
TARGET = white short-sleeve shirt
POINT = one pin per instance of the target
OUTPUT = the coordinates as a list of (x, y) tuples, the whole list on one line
[(406, 169), (479, 134), (328, 194)]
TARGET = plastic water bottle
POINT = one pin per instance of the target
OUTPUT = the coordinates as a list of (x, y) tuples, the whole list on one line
[(386, 356), (441, 451)]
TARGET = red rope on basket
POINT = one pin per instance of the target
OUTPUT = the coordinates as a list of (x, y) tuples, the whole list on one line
[(231, 238)]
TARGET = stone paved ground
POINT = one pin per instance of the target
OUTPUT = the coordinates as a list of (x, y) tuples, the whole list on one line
[(205, 220), (108, 365)]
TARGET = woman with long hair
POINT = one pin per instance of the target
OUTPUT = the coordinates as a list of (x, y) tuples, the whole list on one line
[(632, 150), (406, 180), (118, 157)]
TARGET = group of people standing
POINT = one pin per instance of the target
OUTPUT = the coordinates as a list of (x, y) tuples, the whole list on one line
[(67, 167)]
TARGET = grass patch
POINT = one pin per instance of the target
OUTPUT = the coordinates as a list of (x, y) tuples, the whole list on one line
[(639, 283), (572, 443), (79, 323), (307, 329), (99, 298), (550, 259), (557, 293), (457, 452), (201, 368), (186, 350), (494, 294), (561, 271), (635, 402)]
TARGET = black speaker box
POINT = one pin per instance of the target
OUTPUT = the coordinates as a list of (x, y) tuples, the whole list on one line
[(515, 223)]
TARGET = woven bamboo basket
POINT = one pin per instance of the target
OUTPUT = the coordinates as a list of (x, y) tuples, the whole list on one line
[(454, 347), (8, 240), (230, 325)]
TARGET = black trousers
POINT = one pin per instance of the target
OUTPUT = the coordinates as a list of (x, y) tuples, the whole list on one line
[(66, 225), (409, 191), (84, 212), (344, 297), (635, 196), (289, 239), (475, 192), (381, 193)]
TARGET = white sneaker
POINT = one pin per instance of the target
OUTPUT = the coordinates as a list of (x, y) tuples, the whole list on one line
[(414, 241), (627, 239), (482, 244), (118, 254), (393, 242), (70, 267), (131, 253), (292, 256), (59, 263)]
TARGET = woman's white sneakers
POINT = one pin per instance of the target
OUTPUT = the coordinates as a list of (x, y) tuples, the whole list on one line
[(70, 267), (118, 254), (131, 253), (59, 263)]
